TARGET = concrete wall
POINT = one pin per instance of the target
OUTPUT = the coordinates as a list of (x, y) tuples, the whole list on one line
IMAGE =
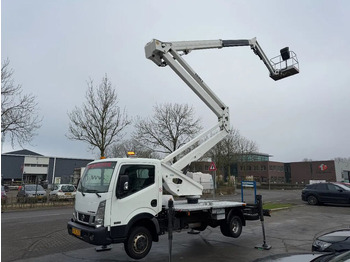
[(342, 169)]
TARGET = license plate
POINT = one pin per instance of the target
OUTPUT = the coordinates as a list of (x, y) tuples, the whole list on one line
[(76, 232), (67, 194)]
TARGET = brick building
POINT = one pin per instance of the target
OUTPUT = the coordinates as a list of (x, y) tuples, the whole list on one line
[(303, 172), (261, 169)]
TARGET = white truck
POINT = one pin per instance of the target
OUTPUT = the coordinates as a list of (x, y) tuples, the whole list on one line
[(121, 200)]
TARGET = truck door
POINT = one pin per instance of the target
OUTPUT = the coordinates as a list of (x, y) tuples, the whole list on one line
[(138, 194)]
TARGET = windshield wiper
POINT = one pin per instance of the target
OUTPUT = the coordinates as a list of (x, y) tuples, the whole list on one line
[(93, 191)]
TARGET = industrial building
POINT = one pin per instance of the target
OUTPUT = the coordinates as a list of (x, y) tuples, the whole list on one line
[(31, 167)]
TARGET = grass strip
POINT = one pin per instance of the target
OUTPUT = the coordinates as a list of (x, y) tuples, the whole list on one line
[(272, 206)]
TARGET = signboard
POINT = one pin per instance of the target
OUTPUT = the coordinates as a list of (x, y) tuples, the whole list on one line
[(212, 167), (57, 180), (248, 184), (323, 167)]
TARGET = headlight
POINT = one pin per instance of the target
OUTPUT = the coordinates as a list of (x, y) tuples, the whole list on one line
[(321, 245), (100, 214), (75, 215)]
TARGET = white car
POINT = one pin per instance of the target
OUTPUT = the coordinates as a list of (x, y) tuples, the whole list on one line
[(63, 191)]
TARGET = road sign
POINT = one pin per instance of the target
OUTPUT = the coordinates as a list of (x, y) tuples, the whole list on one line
[(212, 167)]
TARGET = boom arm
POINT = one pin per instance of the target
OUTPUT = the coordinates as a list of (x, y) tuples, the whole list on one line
[(169, 53)]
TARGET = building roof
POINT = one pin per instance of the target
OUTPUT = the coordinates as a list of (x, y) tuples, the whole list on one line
[(23, 152)]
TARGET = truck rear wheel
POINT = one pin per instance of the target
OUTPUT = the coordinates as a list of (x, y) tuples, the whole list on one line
[(233, 228), (139, 243)]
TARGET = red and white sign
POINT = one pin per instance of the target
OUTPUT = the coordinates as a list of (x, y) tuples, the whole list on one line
[(323, 167), (212, 167)]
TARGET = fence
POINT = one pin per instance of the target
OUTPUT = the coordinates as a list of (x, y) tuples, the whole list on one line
[(12, 202)]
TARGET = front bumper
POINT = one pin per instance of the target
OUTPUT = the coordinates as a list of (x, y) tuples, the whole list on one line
[(303, 197), (95, 236)]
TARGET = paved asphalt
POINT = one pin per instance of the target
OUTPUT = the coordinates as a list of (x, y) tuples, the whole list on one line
[(287, 231)]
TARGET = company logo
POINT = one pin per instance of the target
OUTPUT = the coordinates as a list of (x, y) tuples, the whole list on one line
[(323, 167)]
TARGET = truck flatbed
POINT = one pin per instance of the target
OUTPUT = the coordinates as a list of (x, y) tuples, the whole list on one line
[(183, 206)]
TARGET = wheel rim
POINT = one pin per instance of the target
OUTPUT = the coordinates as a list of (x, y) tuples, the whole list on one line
[(140, 244), (235, 226), (312, 200)]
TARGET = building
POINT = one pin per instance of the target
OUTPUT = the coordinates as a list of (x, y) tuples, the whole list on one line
[(328, 170), (258, 166), (31, 167)]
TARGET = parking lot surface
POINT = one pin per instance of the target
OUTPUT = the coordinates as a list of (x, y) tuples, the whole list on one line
[(287, 231)]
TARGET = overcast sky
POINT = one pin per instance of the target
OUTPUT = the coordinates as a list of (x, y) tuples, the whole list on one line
[(56, 46)]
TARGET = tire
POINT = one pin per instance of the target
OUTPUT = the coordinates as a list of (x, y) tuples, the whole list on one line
[(138, 243), (312, 200), (233, 228)]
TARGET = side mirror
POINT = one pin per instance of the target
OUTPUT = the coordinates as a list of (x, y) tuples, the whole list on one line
[(122, 186)]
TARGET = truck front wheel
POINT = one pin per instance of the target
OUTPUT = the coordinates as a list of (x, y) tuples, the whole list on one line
[(139, 243), (233, 228)]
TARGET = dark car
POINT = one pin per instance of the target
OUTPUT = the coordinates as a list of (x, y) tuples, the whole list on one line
[(336, 241), (301, 257), (326, 193)]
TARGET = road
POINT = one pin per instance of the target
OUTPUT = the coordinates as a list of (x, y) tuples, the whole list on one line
[(41, 236), (35, 233)]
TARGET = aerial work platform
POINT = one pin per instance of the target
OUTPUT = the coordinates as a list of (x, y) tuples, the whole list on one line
[(285, 64)]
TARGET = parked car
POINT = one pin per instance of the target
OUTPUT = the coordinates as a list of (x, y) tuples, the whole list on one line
[(63, 191), (307, 257), (3, 195), (336, 241), (326, 193), (344, 183), (31, 192)]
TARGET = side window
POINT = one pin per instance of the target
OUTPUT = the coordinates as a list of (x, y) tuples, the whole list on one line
[(321, 186), (332, 187), (139, 176)]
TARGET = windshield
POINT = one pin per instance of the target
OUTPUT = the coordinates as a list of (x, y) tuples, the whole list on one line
[(97, 177), (344, 187)]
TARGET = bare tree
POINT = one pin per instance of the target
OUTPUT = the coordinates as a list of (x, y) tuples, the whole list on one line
[(19, 117), (234, 148), (171, 126), (122, 148), (100, 121)]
